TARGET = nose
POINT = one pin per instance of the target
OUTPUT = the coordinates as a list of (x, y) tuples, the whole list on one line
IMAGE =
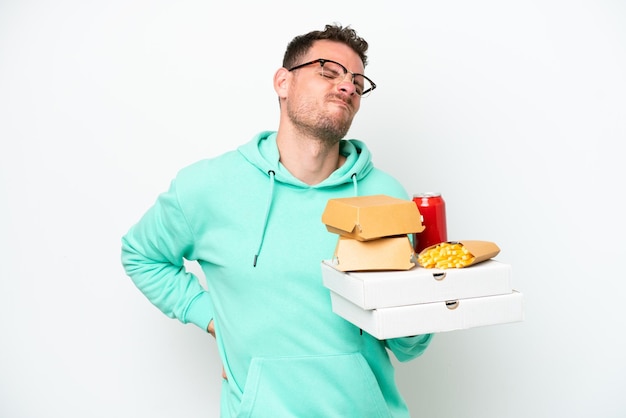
[(347, 85)]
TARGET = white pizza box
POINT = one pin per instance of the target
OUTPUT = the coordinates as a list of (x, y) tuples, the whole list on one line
[(426, 318), (383, 289)]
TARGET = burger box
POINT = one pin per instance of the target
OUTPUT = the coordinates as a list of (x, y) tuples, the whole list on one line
[(370, 217), (373, 232), (387, 253), (435, 317), (383, 289)]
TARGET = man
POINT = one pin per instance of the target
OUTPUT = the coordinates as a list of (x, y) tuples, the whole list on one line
[(252, 219)]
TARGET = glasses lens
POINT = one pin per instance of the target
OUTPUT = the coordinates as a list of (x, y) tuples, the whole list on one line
[(363, 85), (333, 71), (337, 73)]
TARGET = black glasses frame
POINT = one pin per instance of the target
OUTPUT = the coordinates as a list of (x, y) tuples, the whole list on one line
[(323, 61)]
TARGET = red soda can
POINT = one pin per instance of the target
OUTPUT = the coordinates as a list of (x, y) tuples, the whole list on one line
[(433, 210)]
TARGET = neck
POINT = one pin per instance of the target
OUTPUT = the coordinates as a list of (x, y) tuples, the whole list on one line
[(309, 160)]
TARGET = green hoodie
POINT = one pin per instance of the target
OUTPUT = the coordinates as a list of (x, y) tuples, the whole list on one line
[(256, 232)]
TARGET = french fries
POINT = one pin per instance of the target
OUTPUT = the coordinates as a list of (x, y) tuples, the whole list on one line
[(445, 255)]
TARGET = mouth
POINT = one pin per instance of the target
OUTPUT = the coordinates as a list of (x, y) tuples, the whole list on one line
[(341, 102)]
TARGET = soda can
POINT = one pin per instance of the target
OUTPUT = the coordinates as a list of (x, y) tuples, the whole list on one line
[(433, 210)]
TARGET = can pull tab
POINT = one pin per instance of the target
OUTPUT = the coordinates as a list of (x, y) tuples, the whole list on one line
[(452, 304), (439, 276)]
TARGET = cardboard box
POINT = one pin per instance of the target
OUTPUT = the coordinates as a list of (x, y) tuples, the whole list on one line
[(425, 318), (371, 290), (365, 218), (389, 253)]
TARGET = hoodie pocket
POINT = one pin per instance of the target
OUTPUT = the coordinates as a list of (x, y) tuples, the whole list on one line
[(341, 386)]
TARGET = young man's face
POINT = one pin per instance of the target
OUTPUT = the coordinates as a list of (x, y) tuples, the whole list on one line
[(319, 105)]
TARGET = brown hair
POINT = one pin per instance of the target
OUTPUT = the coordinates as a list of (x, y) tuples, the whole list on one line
[(300, 45)]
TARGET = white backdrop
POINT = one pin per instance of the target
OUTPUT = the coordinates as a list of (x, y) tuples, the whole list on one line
[(514, 110)]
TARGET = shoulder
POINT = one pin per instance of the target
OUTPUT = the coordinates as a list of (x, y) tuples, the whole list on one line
[(208, 167), (206, 177), (381, 182)]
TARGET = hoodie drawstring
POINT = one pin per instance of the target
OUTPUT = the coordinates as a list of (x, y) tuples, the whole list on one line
[(272, 174)]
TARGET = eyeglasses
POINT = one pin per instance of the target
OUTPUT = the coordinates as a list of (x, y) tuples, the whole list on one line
[(336, 73)]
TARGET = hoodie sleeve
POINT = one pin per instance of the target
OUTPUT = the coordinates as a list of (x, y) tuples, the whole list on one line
[(153, 253), (408, 348)]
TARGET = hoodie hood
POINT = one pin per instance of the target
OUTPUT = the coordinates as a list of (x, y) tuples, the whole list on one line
[(262, 152)]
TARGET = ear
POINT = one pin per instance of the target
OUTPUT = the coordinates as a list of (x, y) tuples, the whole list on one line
[(281, 82)]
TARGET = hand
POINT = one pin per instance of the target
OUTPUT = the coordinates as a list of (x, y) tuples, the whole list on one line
[(211, 330)]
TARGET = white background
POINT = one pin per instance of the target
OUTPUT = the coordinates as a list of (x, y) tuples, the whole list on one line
[(514, 110)]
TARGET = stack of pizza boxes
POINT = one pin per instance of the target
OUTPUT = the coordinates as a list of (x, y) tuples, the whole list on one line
[(376, 282)]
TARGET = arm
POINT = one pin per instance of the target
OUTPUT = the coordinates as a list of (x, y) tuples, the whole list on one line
[(408, 348), (153, 253)]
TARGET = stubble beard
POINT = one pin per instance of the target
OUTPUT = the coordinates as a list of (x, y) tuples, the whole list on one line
[(328, 129)]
